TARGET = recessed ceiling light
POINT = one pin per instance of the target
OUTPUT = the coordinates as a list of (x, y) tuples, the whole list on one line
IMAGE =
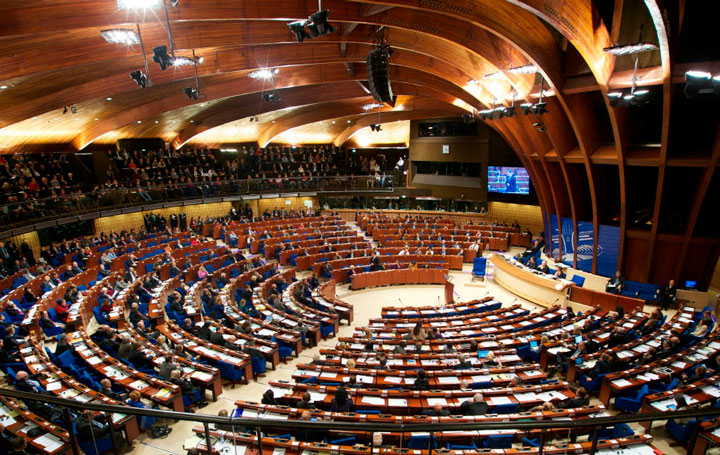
[(333, 122), (120, 36), (192, 121), (139, 121), (156, 121), (108, 99), (3, 87), (273, 121), (349, 121), (35, 117), (96, 119)]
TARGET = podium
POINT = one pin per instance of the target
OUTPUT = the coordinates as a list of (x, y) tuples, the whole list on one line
[(449, 291)]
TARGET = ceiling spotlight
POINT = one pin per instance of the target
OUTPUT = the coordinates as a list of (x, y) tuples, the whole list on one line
[(140, 4), (526, 108), (319, 25), (191, 93), (120, 36), (375, 127), (271, 97), (510, 111), (525, 69), (539, 108), (695, 74), (298, 28), (499, 111), (161, 57), (139, 78), (629, 49), (540, 126), (614, 98), (3, 87), (468, 119), (264, 73), (371, 106)]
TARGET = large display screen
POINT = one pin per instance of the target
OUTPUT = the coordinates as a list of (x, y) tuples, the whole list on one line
[(509, 180)]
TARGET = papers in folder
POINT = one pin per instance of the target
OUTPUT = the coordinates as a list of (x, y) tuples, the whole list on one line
[(373, 400)]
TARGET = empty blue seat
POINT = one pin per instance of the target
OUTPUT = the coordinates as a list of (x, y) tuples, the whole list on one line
[(479, 266), (577, 279), (498, 441), (508, 408), (631, 402), (420, 442)]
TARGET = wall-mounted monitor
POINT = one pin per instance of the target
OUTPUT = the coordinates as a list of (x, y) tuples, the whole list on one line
[(508, 180)]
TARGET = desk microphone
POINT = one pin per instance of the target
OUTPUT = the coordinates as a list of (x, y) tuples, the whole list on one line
[(399, 300)]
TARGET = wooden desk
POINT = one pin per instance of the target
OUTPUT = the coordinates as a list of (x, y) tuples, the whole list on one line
[(523, 283)]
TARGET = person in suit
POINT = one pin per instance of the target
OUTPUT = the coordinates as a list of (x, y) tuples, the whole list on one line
[(666, 295), (47, 323), (309, 435), (138, 358), (25, 383), (582, 398), (106, 389), (135, 316), (167, 367), (305, 402), (616, 284), (463, 363), (421, 381), (341, 401), (269, 398), (475, 406), (64, 345)]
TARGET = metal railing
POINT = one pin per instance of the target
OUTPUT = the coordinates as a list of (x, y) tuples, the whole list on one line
[(260, 425), (98, 198)]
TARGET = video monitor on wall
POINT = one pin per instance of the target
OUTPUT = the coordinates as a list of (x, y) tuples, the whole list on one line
[(508, 180)]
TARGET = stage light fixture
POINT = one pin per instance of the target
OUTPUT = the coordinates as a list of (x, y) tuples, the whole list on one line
[(318, 24), (264, 73), (469, 119), (298, 28), (271, 97), (525, 69), (161, 57), (510, 111), (191, 93), (140, 4), (182, 61), (139, 78), (539, 108), (375, 127), (629, 49), (120, 36), (540, 126), (526, 108)]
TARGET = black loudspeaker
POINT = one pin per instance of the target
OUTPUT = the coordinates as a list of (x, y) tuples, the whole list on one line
[(378, 79)]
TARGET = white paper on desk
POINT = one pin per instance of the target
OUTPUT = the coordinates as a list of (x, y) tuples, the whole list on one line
[(500, 400), (49, 441), (482, 378), (680, 365), (624, 354), (94, 360), (365, 379), (545, 396), (437, 401), (711, 390), (397, 402), (393, 379), (409, 381), (279, 451), (57, 385), (201, 376), (373, 400), (621, 383), (559, 395), (328, 375), (249, 413), (316, 396), (525, 397), (448, 380), (533, 373)]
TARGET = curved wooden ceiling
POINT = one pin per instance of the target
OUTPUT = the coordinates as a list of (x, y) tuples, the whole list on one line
[(52, 55)]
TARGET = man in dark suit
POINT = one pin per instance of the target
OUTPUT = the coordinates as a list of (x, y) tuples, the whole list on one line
[(474, 407), (138, 358), (616, 284), (666, 295)]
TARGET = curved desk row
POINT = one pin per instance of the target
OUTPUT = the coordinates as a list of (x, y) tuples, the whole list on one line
[(400, 276), (539, 289)]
